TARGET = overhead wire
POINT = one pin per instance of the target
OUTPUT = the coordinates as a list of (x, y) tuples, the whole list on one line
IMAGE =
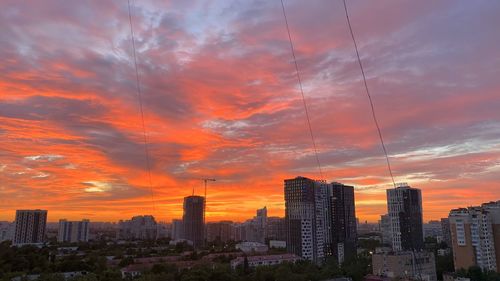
[(374, 115), (297, 73), (139, 97)]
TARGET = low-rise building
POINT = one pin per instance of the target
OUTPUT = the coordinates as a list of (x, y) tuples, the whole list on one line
[(255, 261), (252, 247), (411, 265)]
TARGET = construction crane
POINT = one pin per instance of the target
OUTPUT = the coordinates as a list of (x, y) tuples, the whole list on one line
[(205, 181)]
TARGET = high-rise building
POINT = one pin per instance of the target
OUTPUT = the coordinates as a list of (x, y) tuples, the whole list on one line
[(219, 231), (341, 228), (139, 227), (193, 220), (385, 229), (475, 236), (177, 229), (304, 216), (261, 223), (320, 219), (30, 227), (445, 229), (276, 229), (405, 211), (73, 231)]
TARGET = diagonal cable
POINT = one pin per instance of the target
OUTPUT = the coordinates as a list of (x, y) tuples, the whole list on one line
[(297, 72), (368, 94), (139, 97)]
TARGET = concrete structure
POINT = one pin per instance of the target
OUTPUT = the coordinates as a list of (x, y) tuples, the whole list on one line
[(6, 231), (385, 229), (276, 229), (320, 219), (305, 209), (255, 261), (475, 236), (139, 227), (433, 229), (406, 265), (220, 231), (177, 229), (193, 220), (73, 231), (30, 227), (445, 229), (252, 247), (405, 211), (341, 230), (277, 244)]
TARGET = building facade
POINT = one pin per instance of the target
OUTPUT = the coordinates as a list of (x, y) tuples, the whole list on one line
[(475, 236), (30, 227), (320, 219), (139, 227), (276, 229), (193, 220), (405, 211), (341, 229), (73, 231), (406, 265), (177, 229), (445, 229), (385, 229), (220, 231)]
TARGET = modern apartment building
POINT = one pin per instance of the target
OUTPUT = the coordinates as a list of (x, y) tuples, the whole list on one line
[(73, 231), (405, 211), (475, 236), (405, 265), (139, 227), (193, 220), (30, 227)]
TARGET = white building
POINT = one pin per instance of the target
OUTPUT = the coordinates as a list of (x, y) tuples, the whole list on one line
[(252, 247), (255, 261), (73, 231), (30, 227), (475, 235)]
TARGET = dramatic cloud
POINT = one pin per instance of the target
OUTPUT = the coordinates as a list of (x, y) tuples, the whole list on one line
[(221, 99)]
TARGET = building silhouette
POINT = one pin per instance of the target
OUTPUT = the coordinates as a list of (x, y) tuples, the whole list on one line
[(30, 227), (73, 231), (404, 205), (139, 227), (193, 221), (341, 228)]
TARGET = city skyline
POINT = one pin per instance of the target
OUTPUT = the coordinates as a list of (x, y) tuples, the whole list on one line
[(221, 101)]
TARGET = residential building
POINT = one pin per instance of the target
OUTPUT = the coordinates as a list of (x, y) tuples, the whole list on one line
[(252, 247), (341, 230), (385, 229), (305, 209), (219, 231), (193, 220), (73, 231), (268, 260), (139, 227), (475, 236), (276, 229), (433, 229), (411, 265), (405, 211), (177, 229), (30, 227), (445, 229), (6, 230)]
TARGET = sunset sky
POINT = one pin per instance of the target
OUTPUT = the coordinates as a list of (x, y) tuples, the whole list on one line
[(221, 100)]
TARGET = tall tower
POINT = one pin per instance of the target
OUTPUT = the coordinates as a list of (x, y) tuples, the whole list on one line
[(404, 205), (193, 223), (30, 227), (342, 226), (305, 206)]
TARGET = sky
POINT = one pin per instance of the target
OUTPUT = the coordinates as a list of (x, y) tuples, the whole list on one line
[(221, 100)]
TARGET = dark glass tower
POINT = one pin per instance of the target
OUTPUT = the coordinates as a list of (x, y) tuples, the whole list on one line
[(343, 231), (193, 220)]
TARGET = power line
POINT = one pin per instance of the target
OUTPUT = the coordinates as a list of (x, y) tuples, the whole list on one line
[(139, 97), (302, 91), (368, 94)]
